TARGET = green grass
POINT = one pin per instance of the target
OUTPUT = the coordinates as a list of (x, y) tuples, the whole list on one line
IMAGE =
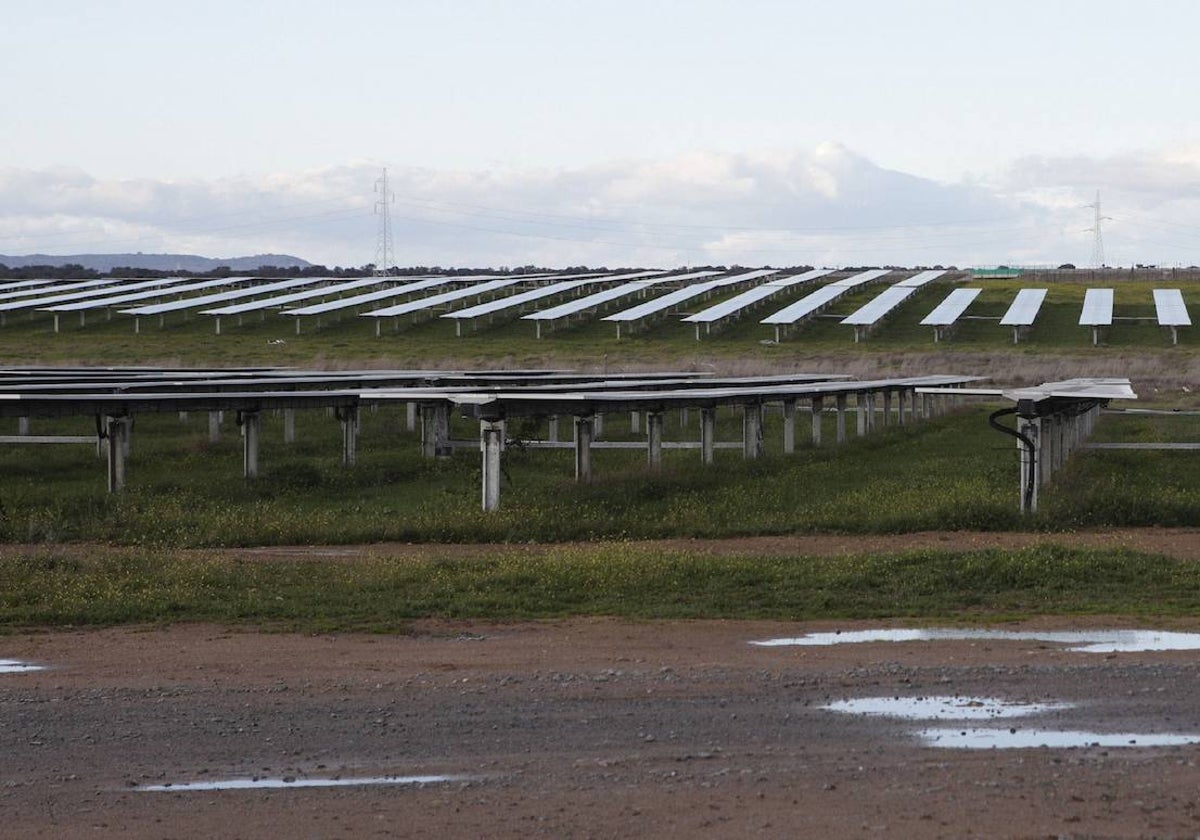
[(953, 473), (385, 594)]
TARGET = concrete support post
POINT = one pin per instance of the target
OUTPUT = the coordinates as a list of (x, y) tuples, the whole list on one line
[(789, 427), (902, 399), (683, 418), (491, 440), (289, 425), (349, 418), (598, 427), (635, 422), (841, 418), (871, 408), (583, 448), (654, 439), (708, 433), (887, 408), (410, 416), (214, 427), (817, 406), (114, 428), (553, 430), (22, 426), (435, 431), (860, 404), (250, 427), (752, 431)]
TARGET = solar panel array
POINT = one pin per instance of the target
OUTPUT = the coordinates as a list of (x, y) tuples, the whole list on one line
[(129, 297), (520, 299), (665, 302), (445, 297), (737, 303), (597, 299), (369, 297), (106, 289), (293, 297), (53, 287), (205, 300), (820, 298)]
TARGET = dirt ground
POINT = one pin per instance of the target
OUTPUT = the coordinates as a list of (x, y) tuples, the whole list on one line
[(585, 728)]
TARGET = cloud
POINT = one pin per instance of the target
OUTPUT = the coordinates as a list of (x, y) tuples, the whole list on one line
[(822, 206)]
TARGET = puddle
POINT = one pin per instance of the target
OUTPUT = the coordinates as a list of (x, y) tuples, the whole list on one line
[(983, 738), (1084, 641), (290, 782), (942, 708), (16, 666)]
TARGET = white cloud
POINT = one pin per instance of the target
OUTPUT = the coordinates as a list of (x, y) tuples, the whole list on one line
[(825, 206)]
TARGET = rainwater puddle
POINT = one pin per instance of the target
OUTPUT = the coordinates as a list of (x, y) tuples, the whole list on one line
[(1082, 641), (942, 708), (16, 666), (983, 738), (288, 782)]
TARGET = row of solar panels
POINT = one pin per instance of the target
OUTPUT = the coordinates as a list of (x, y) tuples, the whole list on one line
[(107, 293)]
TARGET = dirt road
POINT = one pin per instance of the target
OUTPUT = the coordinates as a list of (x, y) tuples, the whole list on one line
[(580, 728)]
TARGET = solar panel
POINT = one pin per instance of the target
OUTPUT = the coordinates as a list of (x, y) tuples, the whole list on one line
[(292, 297), (23, 284), (445, 297), (880, 305), (1024, 308), (204, 300), (949, 310), (591, 301), (519, 299), (55, 287), (1170, 308), (34, 303), (918, 280), (369, 297), (127, 297), (813, 301), (751, 296), (664, 302), (1097, 308)]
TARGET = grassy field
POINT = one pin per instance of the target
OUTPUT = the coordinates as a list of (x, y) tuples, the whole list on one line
[(948, 474), (951, 473), (385, 595)]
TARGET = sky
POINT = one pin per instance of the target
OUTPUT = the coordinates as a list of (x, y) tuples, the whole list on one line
[(558, 132)]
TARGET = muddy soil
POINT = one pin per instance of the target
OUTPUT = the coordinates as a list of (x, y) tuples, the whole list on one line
[(579, 728)]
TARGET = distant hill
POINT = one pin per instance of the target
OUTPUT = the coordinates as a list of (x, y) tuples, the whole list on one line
[(155, 262)]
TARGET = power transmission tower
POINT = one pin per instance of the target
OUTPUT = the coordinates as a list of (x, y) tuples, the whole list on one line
[(384, 256), (1098, 240)]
